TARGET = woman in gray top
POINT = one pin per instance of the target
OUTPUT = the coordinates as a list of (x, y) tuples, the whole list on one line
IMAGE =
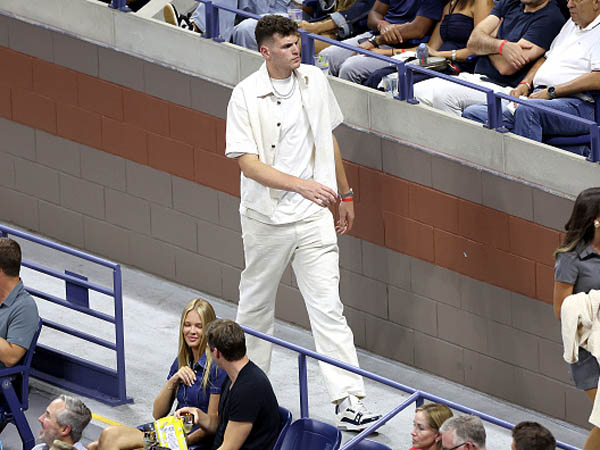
[(577, 269)]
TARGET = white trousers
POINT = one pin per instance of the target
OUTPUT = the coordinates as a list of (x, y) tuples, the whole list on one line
[(453, 97), (311, 246)]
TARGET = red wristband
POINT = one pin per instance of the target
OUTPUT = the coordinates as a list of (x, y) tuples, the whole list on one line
[(502, 45), (527, 84), (379, 23), (348, 199)]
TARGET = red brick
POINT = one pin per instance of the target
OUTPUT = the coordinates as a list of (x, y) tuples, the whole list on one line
[(351, 170), (532, 241), (483, 224), (124, 140), (433, 208), (460, 254), (5, 103), (193, 128), (100, 96), (544, 282), (17, 69), (409, 236), (55, 82), (169, 155), (79, 125), (395, 195), (217, 171), (511, 272), (370, 188), (146, 112), (34, 110), (220, 130), (368, 224)]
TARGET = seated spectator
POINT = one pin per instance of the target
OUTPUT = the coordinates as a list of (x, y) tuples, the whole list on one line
[(426, 425), (448, 40), (248, 410), (19, 317), (560, 80), (172, 16), (399, 23), (194, 380), (466, 432), (532, 436), (134, 5), (64, 420), (509, 41), (243, 32), (348, 19)]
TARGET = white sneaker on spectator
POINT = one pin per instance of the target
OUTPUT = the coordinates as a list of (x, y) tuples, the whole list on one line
[(352, 415)]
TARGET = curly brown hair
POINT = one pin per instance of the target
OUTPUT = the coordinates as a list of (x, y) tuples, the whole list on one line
[(272, 24)]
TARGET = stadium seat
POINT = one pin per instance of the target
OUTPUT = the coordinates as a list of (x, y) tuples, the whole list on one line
[(286, 420), (310, 434), (15, 395), (366, 444)]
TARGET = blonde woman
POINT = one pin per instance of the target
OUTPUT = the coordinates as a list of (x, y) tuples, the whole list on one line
[(193, 380), (426, 424)]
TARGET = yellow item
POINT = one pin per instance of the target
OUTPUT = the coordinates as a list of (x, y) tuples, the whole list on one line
[(169, 433)]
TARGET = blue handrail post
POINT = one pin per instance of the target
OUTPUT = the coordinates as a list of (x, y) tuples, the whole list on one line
[(303, 383), (410, 92), (595, 142), (121, 5), (307, 50), (119, 332), (419, 401), (494, 107), (212, 21), (402, 82)]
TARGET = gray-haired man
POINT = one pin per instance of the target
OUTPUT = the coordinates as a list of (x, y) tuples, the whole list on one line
[(464, 432), (64, 420)]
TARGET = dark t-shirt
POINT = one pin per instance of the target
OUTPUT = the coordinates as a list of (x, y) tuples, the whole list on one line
[(579, 267), (539, 28), (404, 11), (250, 399)]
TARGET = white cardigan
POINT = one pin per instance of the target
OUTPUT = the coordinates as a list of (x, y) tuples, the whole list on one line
[(580, 326)]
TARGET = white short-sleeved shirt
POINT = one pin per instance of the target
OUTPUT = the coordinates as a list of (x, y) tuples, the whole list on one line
[(574, 52), (256, 120)]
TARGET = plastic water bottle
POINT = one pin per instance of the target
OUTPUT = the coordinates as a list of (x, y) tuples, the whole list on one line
[(422, 54)]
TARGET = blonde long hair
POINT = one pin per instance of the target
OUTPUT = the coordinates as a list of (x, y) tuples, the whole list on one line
[(184, 353), (436, 414)]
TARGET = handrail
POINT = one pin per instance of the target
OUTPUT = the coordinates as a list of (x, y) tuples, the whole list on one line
[(405, 79), (416, 396), (88, 378)]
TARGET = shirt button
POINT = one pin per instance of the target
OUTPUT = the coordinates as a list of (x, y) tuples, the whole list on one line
[(278, 124), (272, 145), (278, 102)]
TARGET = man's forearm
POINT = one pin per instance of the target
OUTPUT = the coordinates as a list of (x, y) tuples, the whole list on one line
[(10, 354), (482, 43), (208, 422), (373, 19), (587, 82), (266, 175), (340, 172)]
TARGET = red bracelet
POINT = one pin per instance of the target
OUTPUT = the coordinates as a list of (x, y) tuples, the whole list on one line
[(348, 199), (379, 23), (502, 45), (526, 83)]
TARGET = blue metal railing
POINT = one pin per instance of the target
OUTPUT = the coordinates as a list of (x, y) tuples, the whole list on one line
[(66, 370), (416, 396), (405, 79)]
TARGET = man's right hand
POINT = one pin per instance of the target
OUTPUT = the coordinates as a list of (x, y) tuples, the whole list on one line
[(189, 410), (391, 35), (514, 53), (366, 45), (317, 193), (522, 90)]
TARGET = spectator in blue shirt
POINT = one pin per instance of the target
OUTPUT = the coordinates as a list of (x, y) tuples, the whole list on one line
[(394, 23), (509, 41)]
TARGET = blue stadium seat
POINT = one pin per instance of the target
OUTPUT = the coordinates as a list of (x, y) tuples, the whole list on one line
[(310, 434), (286, 420), (14, 382), (366, 444)]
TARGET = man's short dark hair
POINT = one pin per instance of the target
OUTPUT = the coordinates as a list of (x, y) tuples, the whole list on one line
[(10, 257), (272, 24), (227, 337), (532, 436)]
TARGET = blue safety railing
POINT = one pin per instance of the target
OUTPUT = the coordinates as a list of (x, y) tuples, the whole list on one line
[(66, 370), (416, 396), (405, 77), (121, 5)]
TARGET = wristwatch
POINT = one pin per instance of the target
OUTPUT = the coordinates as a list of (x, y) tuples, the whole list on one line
[(373, 40), (348, 194), (552, 92)]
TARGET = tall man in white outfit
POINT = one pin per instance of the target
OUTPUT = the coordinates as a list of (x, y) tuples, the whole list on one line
[(279, 127)]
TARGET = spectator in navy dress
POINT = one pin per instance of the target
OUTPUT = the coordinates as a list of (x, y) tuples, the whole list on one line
[(193, 380), (509, 41), (448, 40)]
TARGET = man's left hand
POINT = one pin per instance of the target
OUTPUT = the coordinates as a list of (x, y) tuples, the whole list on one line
[(541, 94), (346, 217)]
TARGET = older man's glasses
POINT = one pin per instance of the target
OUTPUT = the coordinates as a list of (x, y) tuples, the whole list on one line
[(454, 448)]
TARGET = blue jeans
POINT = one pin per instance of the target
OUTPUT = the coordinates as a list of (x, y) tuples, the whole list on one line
[(534, 123)]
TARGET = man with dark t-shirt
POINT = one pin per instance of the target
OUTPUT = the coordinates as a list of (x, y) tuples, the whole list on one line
[(248, 411)]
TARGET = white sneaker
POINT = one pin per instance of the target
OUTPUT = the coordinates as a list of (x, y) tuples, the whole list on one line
[(352, 415)]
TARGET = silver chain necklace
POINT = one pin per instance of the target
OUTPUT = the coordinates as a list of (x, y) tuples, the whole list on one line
[(287, 94)]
